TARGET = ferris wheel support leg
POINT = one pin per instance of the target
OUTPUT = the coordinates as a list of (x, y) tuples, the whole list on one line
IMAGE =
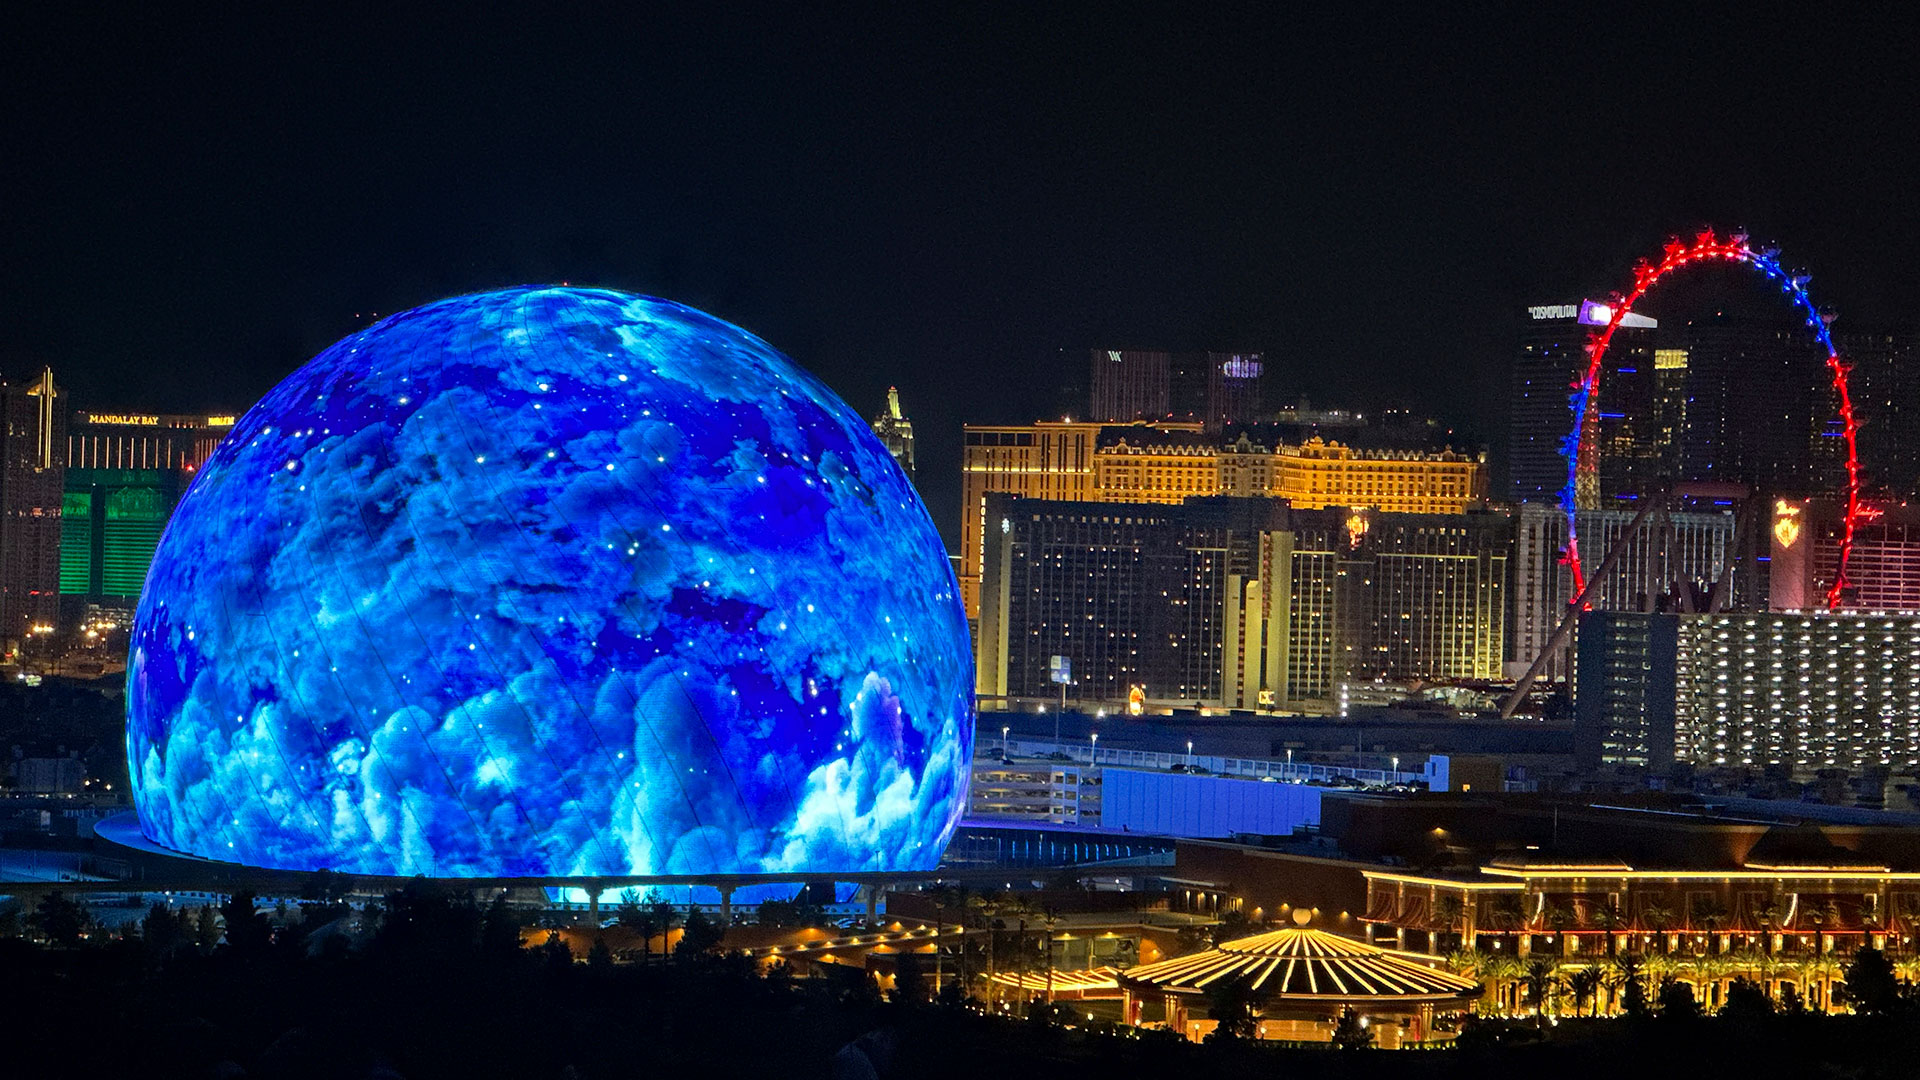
[(1567, 621)]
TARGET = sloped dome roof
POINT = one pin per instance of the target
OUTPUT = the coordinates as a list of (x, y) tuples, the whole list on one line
[(1301, 963)]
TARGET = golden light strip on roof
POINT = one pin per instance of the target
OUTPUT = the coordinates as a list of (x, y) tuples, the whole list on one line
[(897, 937), (1834, 869), (1707, 875), (1302, 963), (1102, 978), (1445, 883), (1583, 868)]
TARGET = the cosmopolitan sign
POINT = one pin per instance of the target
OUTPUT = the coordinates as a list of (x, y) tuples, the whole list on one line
[(1589, 313)]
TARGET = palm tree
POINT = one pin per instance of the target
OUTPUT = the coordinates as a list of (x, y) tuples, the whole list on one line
[(1556, 917), (1710, 970), (1050, 915), (945, 898), (1770, 968), (1020, 908), (1830, 916), (1744, 960), (1482, 967), (972, 951), (1541, 983), (1612, 919), (647, 924), (1710, 914), (1657, 915), (1505, 914), (1584, 983), (1908, 968), (1470, 963), (663, 917), (1611, 984), (984, 906), (1613, 980), (1502, 970), (1449, 911), (1658, 966), (1626, 971), (1820, 968)]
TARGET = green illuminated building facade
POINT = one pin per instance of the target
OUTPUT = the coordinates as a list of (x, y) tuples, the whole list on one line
[(125, 472), (111, 521)]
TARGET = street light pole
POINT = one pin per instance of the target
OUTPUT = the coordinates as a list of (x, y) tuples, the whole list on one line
[(1049, 961), (1079, 790)]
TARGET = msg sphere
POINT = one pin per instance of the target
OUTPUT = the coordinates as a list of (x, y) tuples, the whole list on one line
[(550, 582)]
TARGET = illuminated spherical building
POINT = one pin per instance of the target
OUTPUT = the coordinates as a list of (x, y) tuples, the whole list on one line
[(551, 582)]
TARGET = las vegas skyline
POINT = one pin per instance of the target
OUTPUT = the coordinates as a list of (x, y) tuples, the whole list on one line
[(959, 206)]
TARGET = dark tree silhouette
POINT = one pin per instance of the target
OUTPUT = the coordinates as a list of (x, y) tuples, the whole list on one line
[(206, 930), (1232, 924), (701, 935), (1747, 1002), (1584, 984), (1230, 1005), (248, 932), (162, 931), (789, 913), (600, 958), (664, 917), (1352, 1033), (326, 887), (1633, 986), (555, 954), (1676, 1001), (629, 914), (1871, 985), (909, 985), (500, 928), (60, 920)]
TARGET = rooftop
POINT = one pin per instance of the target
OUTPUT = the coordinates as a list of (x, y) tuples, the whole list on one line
[(1300, 963)]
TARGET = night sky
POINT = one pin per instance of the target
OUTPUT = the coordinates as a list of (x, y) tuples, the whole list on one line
[(958, 204)]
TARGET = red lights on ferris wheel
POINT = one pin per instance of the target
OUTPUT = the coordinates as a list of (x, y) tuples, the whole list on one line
[(1582, 446)]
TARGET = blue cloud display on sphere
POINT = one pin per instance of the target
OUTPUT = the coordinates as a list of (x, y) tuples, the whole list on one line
[(551, 581)]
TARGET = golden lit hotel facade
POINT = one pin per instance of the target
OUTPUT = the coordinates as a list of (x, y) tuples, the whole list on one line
[(1321, 474), (1784, 927), (1045, 460), (1168, 463)]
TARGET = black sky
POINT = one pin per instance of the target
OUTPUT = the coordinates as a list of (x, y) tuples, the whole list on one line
[(960, 203)]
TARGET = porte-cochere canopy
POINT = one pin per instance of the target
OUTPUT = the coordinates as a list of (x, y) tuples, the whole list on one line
[(1301, 964)]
